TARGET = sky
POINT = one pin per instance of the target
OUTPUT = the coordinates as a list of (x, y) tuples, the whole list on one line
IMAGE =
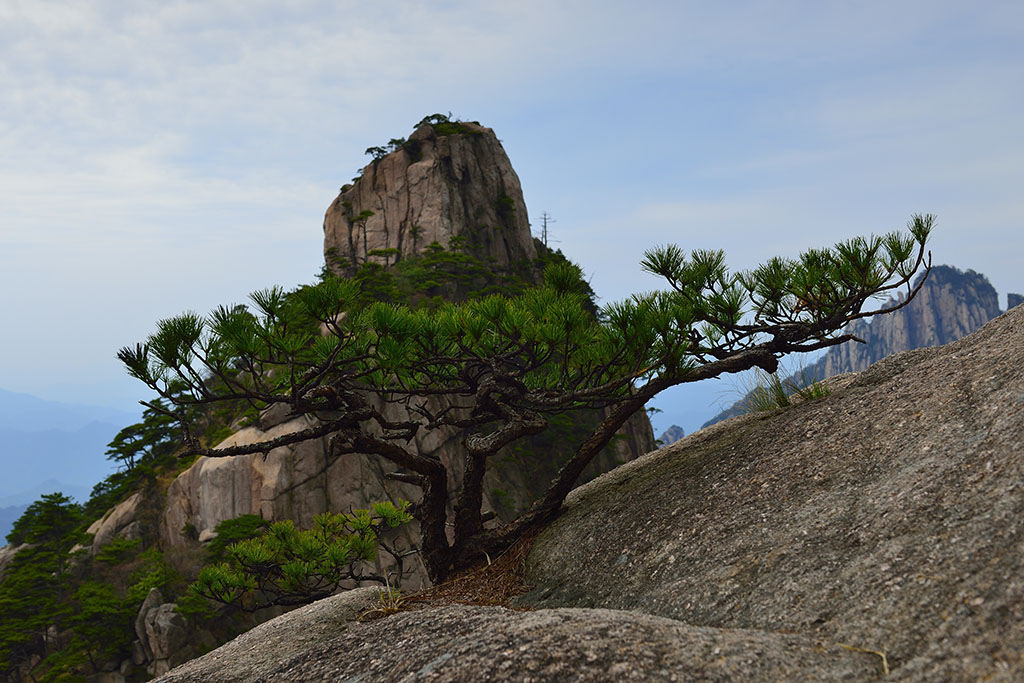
[(157, 157)]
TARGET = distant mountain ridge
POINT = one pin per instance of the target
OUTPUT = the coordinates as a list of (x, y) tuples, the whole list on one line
[(671, 435), (42, 441), (28, 413), (952, 303)]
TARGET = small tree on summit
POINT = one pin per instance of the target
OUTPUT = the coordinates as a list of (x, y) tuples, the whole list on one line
[(497, 369)]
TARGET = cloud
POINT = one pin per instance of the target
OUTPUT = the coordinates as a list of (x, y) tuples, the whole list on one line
[(156, 156)]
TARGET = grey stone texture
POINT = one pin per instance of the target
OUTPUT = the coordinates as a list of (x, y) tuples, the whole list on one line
[(464, 643), (888, 515), (432, 189)]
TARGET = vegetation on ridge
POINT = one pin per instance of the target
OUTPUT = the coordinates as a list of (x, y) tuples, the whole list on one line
[(288, 566)]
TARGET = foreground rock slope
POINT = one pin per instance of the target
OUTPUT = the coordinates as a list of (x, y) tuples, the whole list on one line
[(886, 518), (326, 642)]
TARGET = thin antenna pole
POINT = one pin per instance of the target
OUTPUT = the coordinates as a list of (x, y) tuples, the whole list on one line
[(545, 218)]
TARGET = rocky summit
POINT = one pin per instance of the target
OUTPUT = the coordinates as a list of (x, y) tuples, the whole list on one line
[(875, 532), (448, 181)]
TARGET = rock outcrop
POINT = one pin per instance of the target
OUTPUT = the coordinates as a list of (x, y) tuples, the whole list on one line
[(951, 304), (324, 641), (163, 634), (447, 181), (434, 187), (121, 521), (1013, 300), (878, 528)]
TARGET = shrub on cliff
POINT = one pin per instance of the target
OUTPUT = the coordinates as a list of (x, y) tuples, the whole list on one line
[(498, 368), (288, 566)]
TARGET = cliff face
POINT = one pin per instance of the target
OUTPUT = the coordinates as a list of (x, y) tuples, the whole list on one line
[(951, 304), (433, 188)]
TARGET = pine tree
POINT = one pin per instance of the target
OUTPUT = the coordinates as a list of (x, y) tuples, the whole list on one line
[(500, 368), (33, 590)]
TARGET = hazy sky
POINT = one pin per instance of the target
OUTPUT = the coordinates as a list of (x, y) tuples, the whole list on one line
[(163, 156)]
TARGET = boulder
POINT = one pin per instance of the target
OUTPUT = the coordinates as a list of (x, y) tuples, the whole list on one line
[(164, 636), (464, 643), (152, 602), (166, 631), (121, 521)]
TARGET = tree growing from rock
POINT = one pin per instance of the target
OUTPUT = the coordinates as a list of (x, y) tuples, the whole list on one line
[(497, 369)]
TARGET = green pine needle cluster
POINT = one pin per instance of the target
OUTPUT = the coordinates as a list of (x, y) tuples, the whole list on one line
[(288, 566)]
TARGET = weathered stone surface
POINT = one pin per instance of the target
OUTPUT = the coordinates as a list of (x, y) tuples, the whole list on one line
[(152, 602), (166, 631), (432, 189), (122, 520), (463, 643), (279, 413), (888, 515), (138, 652)]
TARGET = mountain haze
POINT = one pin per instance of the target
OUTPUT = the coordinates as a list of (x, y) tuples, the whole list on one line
[(48, 443)]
